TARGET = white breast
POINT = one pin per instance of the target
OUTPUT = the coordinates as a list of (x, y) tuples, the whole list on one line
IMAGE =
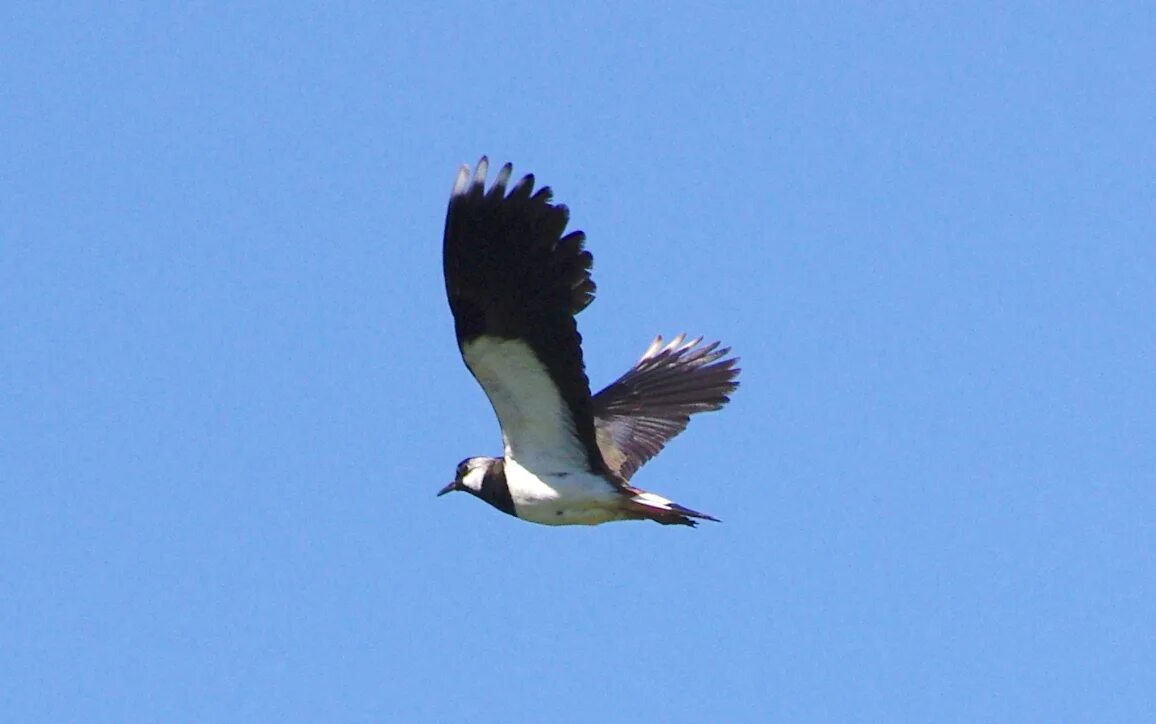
[(562, 499)]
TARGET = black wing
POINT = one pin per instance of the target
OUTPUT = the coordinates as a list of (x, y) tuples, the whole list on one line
[(515, 280), (645, 408)]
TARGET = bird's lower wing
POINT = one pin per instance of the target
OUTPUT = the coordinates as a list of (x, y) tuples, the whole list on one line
[(536, 422)]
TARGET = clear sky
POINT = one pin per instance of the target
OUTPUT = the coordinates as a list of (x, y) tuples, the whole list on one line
[(229, 387)]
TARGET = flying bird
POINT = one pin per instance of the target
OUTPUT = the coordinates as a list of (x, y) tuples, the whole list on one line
[(515, 281)]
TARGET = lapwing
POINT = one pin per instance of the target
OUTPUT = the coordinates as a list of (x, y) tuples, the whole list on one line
[(515, 281)]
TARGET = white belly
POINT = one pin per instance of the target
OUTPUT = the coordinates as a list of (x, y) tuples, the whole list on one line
[(567, 499)]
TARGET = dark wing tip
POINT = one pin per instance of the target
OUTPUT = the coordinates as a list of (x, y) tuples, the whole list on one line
[(707, 362), (536, 214)]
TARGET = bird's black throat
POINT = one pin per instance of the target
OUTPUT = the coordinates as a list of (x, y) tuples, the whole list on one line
[(494, 490)]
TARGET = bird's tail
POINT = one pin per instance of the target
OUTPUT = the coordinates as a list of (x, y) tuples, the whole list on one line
[(649, 506)]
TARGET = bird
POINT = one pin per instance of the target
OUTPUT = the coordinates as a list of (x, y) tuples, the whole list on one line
[(515, 280)]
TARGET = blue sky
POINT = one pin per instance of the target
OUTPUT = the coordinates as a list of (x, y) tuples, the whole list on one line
[(229, 387)]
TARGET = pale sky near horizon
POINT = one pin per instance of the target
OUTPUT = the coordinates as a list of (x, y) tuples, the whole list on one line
[(229, 387)]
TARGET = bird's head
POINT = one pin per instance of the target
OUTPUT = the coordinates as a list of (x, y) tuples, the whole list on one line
[(470, 474)]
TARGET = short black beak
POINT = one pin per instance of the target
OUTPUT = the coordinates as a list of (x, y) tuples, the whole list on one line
[(448, 489)]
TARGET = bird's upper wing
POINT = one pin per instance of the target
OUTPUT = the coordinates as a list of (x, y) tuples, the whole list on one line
[(515, 280), (636, 415)]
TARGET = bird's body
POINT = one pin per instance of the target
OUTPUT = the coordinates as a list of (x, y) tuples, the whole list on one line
[(577, 498), (515, 283)]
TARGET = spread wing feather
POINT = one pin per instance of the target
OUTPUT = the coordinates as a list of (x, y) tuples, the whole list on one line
[(641, 411)]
